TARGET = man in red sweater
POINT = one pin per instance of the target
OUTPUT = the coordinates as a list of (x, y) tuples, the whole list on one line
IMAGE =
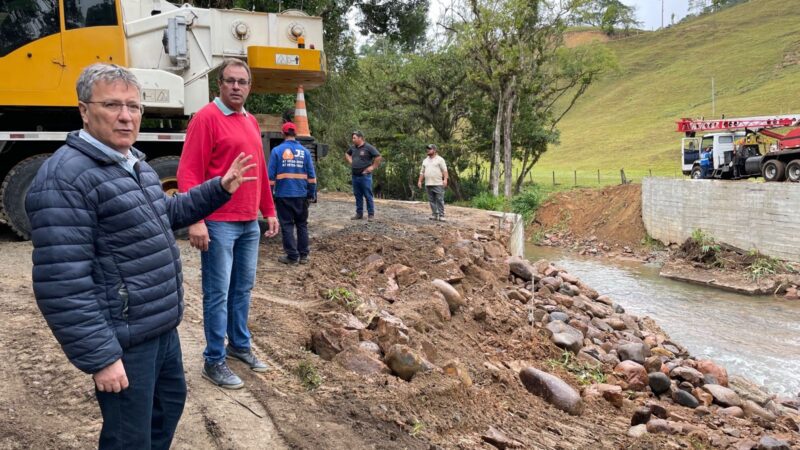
[(228, 238)]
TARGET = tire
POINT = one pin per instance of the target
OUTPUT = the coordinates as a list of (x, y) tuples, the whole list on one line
[(774, 170), (793, 171), (15, 188), (695, 175), (167, 169)]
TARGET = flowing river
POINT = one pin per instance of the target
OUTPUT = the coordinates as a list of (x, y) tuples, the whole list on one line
[(756, 337)]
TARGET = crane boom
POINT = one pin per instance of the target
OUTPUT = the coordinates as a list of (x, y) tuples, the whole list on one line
[(687, 125)]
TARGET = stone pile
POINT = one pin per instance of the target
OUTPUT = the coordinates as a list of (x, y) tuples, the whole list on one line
[(641, 358)]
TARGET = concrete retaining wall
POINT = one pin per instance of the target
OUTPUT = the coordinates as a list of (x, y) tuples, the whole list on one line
[(762, 216)]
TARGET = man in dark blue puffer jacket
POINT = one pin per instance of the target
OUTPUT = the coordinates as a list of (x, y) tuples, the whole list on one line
[(106, 269)]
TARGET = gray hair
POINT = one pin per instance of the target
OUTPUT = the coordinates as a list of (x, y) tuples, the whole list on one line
[(108, 73), (233, 62)]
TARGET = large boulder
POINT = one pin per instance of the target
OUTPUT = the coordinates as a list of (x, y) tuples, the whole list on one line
[(521, 267), (453, 297), (565, 336), (552, 389), (722, 395), (360, 360), (632, 374), (389, 330), (687, 374), (659, 383), (327, 343), (684, 398), (632, 352), (406, 362), (770, 443), (706, 366)]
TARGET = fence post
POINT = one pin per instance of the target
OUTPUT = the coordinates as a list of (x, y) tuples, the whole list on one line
[(598, 176), (651, 172), (575, 178), (622, 176), (530, 175), (554, 178)]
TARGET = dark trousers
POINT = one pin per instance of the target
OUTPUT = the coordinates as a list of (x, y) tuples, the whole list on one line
[(145, 415), (293, 215), (362, 189), (436, 199)]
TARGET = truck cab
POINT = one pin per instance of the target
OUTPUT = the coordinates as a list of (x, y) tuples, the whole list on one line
[(720, 145)]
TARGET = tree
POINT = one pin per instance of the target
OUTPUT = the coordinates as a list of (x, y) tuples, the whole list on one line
[(608, 15), (516, 51)]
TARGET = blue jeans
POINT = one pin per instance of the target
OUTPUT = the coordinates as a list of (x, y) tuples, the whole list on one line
[(146, 414), (293, 213), (362, 188), (229, 271)]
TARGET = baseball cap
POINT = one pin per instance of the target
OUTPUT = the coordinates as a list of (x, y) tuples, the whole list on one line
[(289, 126), (430, 147)]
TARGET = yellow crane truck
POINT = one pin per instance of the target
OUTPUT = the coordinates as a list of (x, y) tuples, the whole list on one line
[(172, 49)]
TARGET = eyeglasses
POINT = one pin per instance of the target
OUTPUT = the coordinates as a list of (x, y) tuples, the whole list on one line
[(135, 109), (241, 81)]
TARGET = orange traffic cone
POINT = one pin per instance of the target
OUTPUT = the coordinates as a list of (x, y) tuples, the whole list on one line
[(300, 115)]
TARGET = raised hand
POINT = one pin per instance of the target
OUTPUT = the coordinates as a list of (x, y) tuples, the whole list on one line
[(234, 177)]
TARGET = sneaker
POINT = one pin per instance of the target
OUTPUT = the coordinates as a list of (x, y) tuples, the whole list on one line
[(370, 217), (248, 358), (441, 219), (357, 217), (221, 375), (286, 260), (433, 217), (304, 260)]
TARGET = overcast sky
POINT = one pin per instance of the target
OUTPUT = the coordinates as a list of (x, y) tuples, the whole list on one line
[(649, 11)]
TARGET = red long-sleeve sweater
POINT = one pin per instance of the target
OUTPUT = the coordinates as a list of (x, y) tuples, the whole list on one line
[(213, 140)]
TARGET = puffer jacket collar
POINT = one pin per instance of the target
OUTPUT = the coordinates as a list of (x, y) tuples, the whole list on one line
[(74, 141)]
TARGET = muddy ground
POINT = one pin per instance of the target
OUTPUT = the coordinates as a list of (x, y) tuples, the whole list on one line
[(47, 403)]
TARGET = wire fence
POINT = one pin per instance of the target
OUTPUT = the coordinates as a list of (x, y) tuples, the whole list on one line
[(586, 178)]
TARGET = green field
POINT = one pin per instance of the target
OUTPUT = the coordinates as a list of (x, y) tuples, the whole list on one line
[(628, 119)]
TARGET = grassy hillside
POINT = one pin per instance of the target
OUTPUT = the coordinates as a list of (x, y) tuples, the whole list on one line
[(627, 120)]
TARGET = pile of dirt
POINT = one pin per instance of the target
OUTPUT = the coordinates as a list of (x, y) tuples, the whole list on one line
[(594, 221)]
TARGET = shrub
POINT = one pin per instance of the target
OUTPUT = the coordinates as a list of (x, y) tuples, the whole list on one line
[(485, 200), (527, 202)]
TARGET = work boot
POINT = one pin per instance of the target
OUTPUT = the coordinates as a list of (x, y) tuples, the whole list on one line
[(248, 358), (357, 217), (221, 375), (286, 260), (304, 259), (370, 217)]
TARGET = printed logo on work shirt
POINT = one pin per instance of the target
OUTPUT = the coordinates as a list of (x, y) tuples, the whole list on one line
[(287, 154)]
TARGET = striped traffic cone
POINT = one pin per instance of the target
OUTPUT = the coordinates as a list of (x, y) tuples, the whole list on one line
[(300, 115)]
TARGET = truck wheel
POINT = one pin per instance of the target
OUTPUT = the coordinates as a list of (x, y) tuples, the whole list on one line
[(15, 188), (774, 170), (696, 173), (793, 171), (167, 169)]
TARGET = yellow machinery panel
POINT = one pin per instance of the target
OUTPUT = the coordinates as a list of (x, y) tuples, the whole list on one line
[(43, 72), (281, 70)]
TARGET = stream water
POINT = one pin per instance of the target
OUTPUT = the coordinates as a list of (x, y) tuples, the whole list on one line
[(756, 337)]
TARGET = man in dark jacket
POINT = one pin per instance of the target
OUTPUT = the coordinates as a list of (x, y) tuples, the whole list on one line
[(106, 269)]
